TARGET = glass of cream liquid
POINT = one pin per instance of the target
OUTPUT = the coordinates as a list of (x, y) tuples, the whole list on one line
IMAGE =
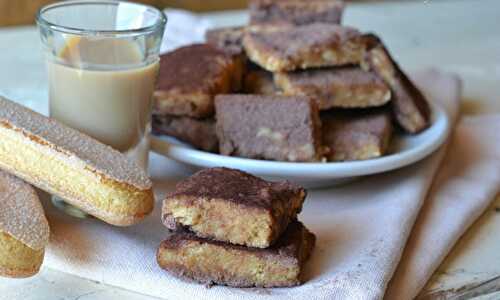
[(103, 61)]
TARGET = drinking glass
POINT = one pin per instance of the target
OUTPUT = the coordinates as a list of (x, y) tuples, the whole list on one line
[(102, 62)]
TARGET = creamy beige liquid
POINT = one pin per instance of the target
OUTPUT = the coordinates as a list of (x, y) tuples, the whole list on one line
[(112, 104)]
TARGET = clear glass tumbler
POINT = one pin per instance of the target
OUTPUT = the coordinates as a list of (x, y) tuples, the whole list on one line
[(103, 61)]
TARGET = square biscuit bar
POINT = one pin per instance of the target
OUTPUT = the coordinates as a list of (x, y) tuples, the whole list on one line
[(296, 12), (210, 262), (232, 206), (200, 133), (272, 127), (191, 76), (410, 107), (356, 134), (288, 48), (340, 87)]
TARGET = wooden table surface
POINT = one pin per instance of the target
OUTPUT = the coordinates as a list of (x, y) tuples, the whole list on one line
[(19, 12), (458, 36)]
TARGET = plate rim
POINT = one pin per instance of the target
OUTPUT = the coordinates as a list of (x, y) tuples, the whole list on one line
[(316, 170)]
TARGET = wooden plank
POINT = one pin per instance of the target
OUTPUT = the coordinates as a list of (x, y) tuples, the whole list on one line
[(19, 12)]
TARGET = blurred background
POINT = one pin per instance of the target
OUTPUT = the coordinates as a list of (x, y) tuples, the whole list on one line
[(19, 12)]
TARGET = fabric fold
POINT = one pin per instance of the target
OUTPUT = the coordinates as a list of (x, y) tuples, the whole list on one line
[(466, 185), (361, 231)]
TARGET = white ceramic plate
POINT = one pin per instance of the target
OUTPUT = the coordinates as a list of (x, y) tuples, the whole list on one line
[(405, 150)]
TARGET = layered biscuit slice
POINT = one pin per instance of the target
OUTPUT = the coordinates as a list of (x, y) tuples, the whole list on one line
[(233, 206), (191, 76), (341, 87), (24, 230), (356, 135), (269, 127), (62, 161), (288, 48), (410, 107), (296, 12), (200, 133), (210, 262)]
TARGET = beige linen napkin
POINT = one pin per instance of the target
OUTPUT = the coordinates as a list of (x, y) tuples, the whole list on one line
[(467, 182), (361, 228)]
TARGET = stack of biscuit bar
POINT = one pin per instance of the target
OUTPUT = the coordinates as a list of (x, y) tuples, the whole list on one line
[(306, 89), (231, 228)]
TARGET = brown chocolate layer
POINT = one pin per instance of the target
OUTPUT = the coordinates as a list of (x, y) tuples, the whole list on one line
[(191, 67), (190, 77), (200, 133), (268, 127), (236, 186)]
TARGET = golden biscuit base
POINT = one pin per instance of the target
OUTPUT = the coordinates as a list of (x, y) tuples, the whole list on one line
[(211, 262), (341, 87), (289, 48), (18, 260), (356, 135), (62, 161), (191, 76), (233, 206)]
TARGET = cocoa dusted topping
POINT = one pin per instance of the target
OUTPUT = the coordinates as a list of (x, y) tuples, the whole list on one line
[(292, 40), (185, 68), (236, 186), (268, 127)]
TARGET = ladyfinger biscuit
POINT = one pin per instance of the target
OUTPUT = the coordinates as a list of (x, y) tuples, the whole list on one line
[(288, 48), (24, 230), (210, 262), (272, 127), (340, 87), (296, 12), (62, 161), (410, 107), (233, 206), (191, 76), (200, 133), (356, 134)]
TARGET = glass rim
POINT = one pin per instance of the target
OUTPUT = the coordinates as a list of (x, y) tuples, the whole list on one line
[(41, 21)]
